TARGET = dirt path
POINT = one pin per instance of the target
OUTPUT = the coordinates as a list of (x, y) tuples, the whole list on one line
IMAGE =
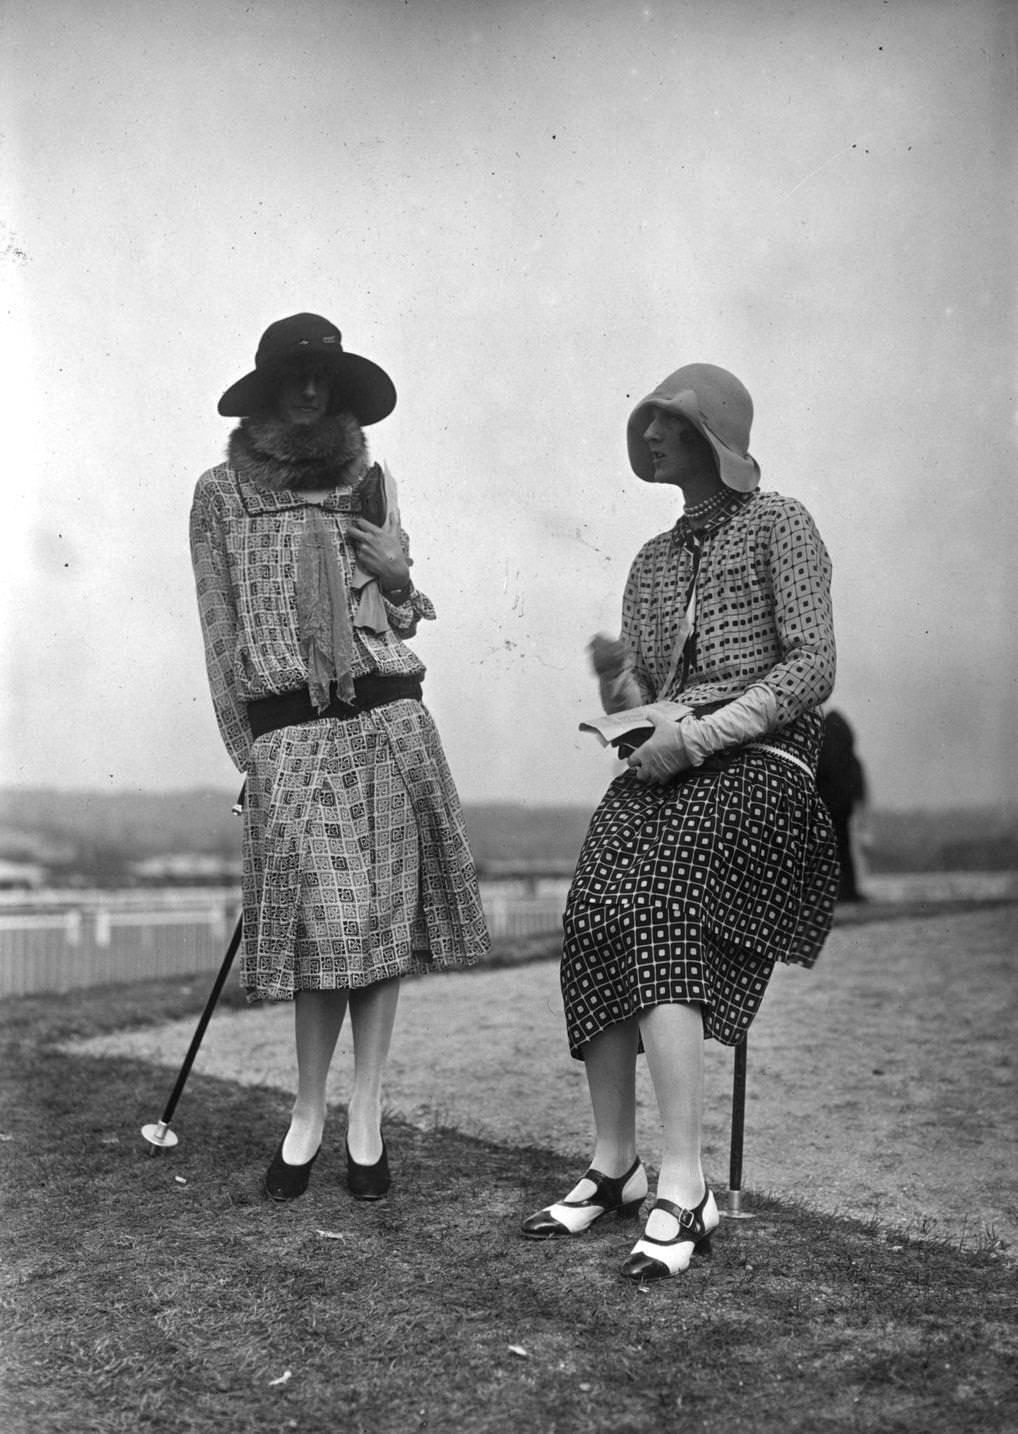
[(881, 1084)]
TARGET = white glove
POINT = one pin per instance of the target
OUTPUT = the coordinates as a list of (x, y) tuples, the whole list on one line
[(748, 717), (663, 755)]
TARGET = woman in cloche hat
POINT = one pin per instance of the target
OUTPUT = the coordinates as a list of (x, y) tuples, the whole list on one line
[(711, 856), (356, 865)]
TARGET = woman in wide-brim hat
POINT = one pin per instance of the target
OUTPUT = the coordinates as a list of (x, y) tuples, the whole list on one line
[(711, 857), (359, 386), (356, 869)]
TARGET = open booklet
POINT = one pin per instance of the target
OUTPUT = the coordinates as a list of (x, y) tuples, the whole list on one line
[(633, 725)]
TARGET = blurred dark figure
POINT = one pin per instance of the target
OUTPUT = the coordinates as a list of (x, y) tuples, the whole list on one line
[(841, 782)]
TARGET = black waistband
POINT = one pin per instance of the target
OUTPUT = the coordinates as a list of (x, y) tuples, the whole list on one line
[(289, 709)]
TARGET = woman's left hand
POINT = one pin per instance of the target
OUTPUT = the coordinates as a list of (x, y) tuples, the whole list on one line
[(663, 755), (380, 552)]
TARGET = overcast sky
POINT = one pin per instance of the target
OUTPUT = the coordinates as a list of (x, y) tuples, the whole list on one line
[(528, 213)]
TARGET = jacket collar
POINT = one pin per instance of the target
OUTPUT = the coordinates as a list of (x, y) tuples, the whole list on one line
[(257, 500)]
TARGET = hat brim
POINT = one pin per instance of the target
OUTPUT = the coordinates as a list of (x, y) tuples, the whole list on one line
[(739, 471), (362, 387)]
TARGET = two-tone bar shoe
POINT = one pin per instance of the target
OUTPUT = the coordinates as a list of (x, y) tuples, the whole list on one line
[(655, 1259), (596, 1195)]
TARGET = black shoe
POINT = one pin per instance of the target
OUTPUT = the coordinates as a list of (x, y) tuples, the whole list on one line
[(653, 1259), (287, 1182), (620, 1195), (368, 1182)]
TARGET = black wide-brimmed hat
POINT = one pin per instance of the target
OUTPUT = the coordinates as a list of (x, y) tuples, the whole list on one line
[(361, 386)]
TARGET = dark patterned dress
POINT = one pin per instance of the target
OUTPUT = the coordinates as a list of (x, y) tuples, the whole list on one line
[(691, 891), (356, 864)]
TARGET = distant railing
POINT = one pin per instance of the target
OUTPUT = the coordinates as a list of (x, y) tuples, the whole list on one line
[(62, 941), (66, 940), (74, 940)]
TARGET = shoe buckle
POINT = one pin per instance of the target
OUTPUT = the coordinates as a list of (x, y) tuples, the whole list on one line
[(686, 1220)]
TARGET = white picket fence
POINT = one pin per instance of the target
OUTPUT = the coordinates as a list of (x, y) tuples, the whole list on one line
[(97, 938), (59, 941)]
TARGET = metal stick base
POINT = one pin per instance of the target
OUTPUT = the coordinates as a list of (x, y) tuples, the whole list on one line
[(735, 1210), (159, 1137)]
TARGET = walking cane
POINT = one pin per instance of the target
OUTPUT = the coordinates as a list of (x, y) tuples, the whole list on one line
[(735, 1210), (158, 1133)]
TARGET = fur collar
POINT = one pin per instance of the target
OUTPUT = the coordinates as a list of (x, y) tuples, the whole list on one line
[(275, 455)]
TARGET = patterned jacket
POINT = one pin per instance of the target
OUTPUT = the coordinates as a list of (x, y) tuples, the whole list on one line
[(244, 540), (763, 613)]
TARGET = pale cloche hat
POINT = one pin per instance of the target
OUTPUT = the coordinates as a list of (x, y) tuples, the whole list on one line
[(717, 405)]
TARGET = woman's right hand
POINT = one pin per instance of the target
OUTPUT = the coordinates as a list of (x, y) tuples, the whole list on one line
[(664, 754), (609, 655), (379, 551)]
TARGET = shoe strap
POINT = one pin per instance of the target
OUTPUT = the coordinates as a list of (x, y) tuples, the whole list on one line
[(689, 1221), (608, 1188)]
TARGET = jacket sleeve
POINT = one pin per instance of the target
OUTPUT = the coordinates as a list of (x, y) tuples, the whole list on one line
[(799, 572), (218, 613)]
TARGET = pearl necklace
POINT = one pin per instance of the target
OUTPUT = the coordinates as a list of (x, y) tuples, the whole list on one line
[(706, 508)]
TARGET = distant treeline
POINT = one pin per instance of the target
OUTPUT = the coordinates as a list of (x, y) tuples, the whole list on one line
[(966, 839), (98, 833)]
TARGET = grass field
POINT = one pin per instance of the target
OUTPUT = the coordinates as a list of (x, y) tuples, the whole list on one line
[(165, 1294)]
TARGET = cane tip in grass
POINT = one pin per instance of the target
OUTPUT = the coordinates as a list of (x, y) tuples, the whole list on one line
[(159, 1137)]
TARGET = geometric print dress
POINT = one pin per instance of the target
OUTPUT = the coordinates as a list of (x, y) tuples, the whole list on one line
[(356, 866), (691, 891)]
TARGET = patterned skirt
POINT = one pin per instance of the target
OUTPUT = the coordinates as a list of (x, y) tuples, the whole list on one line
[(356, 864), (690, 893)]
